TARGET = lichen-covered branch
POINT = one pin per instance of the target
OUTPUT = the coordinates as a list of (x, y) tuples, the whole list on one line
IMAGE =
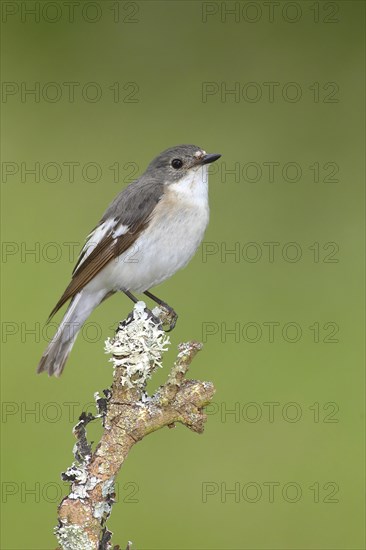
[(128, 414)]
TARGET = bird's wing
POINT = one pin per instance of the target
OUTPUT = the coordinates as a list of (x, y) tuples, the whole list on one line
[(119, 228)]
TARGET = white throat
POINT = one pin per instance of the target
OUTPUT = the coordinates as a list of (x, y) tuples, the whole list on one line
[(193, 187)]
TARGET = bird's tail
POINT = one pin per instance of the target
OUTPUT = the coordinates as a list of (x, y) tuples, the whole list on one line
[(54, 358)]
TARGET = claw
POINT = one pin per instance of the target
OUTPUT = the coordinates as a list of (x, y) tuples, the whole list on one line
[(168, 317)]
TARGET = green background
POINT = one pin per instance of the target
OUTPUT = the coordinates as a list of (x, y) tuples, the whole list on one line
[(316, 388)]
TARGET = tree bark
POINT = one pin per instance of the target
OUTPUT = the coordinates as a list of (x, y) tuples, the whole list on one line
[(128, 415)]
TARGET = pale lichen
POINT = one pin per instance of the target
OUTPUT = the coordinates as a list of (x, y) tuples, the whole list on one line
[(137, 347), (102, 509), (108, 487), (73, 537), (81, 481)]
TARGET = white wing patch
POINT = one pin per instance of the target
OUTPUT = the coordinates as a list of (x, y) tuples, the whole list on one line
[(120, 230), (97, 235)]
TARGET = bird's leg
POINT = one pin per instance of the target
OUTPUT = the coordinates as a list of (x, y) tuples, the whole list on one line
[(148, 311), (172, 314), (131, 296)]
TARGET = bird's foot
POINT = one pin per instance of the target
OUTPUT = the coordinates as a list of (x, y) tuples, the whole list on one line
[(167, 316), (164, 312), (163, 316)]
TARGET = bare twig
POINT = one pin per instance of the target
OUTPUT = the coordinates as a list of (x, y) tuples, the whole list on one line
[(128, 414)]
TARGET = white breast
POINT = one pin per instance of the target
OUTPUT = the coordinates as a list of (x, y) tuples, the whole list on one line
[(170, 240)]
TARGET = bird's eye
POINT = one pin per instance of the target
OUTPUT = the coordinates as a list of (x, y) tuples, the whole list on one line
[(177, 163)]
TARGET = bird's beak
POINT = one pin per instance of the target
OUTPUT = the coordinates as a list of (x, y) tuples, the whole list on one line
[(208, 158)]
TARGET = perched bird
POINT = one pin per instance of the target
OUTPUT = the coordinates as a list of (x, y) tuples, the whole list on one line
[(150, 230)]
